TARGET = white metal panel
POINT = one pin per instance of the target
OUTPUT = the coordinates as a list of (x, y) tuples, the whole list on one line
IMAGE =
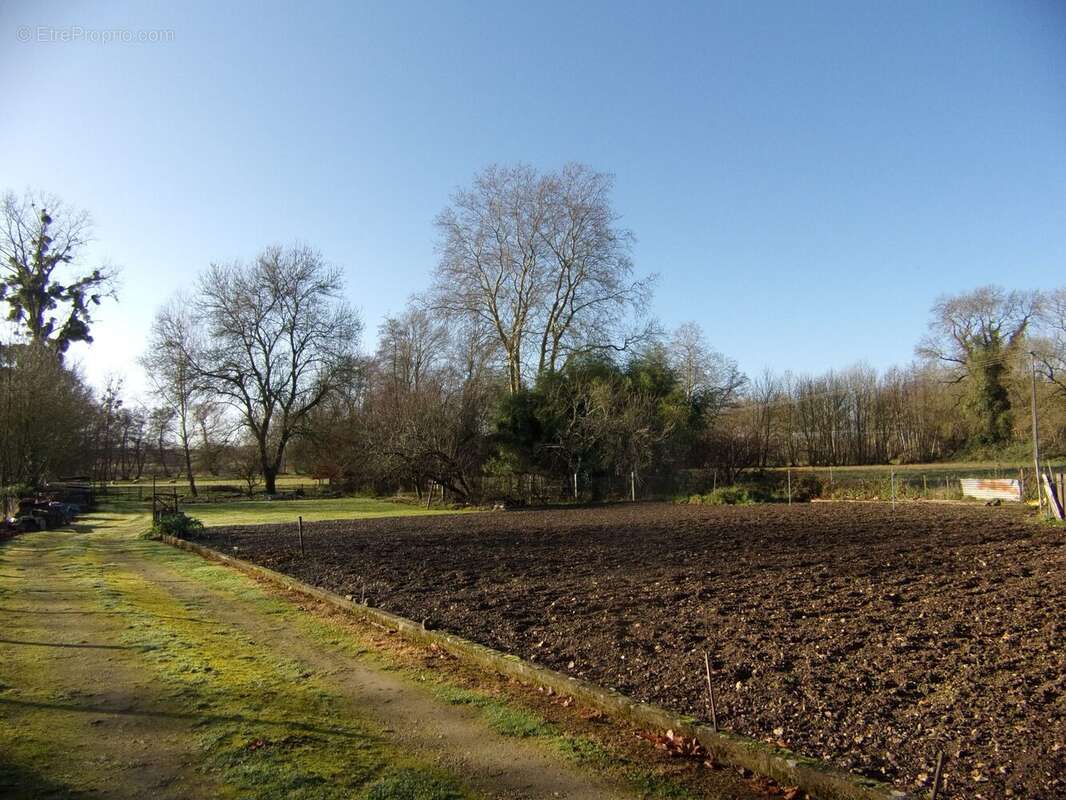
[(992, 488)]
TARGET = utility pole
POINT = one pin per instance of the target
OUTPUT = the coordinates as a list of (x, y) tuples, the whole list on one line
[(1036, 440)]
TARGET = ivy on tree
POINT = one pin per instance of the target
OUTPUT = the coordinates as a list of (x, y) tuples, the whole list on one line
[(39, 238)]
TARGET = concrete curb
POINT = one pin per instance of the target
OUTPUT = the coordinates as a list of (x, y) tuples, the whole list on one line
[(787, 768)]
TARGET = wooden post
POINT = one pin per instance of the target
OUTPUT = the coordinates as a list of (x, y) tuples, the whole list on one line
[(1054, 501), (937, 775), (710, 691), (575, 486), (633, 485), (893, 480), (790, 485), (925, 487), (300, 528), (1036, 440)]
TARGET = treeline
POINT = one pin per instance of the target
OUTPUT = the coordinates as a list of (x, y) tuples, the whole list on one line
[(529, 355)]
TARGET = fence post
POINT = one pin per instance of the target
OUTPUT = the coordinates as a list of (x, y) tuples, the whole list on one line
[(790, 485), (300, 524), (893, 490), (633, 485)]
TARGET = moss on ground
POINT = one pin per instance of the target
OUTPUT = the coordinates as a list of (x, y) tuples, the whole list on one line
[(270, 728), (504, 715), (263, 726)]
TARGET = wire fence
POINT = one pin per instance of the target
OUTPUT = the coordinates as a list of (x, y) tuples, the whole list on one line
[(778, 484), (781, 484), (144, 493)]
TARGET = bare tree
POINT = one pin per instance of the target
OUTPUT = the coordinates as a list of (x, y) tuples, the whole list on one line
[(706, 376), (279, 342), (978, 333), (213, 432), (46, 416), (1050, 348), (410, 346), (541, 261), (104, 434), (40, 239), (160, 422), (174, 347)]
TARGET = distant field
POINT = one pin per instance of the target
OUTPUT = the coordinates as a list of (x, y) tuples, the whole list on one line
[(256, 512), (939, 469), (284, 481)]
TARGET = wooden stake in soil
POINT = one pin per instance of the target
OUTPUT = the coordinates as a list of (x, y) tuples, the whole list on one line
[(790, 485), (937, 775), (710, 692), (300, 528)]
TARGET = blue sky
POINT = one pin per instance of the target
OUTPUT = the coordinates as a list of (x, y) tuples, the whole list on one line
[(805, 177)]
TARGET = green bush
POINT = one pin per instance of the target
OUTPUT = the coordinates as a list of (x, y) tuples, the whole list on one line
[(178, 524), (10, 496), (807, 488), (730, 496)]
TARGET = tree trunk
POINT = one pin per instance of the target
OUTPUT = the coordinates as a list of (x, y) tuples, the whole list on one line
[(162, 456), (270, 479), (188, 467)]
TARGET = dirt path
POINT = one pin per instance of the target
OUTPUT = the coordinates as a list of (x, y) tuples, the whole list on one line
[(79, 707), (497, 766), (129, 669)]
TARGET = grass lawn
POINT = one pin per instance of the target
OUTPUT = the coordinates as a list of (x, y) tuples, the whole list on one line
[(255, 512), (286, 481)]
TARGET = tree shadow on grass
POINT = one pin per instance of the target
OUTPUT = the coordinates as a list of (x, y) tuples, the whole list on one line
[(75, 645), (199, 719), (35, 611), (19, 782)]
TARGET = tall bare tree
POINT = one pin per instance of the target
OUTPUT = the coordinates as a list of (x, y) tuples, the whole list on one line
[(410, 345), (279, 341), (706, 376), (1050, 348), (46, 416), (214, 434), (174, 348), (541, 261)]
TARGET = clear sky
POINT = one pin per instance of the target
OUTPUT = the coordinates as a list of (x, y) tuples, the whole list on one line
[(805, 177)]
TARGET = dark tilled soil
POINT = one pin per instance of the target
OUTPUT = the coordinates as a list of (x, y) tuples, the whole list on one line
[(867, 637)]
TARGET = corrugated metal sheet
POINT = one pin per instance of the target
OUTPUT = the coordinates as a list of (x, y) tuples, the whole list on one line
[(992, 488)]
